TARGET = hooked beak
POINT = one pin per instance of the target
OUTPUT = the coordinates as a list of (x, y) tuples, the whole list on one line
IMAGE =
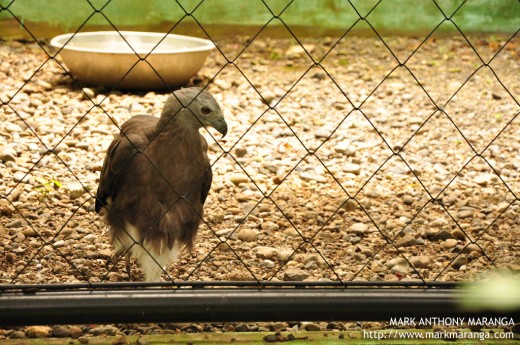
[(221, 127)]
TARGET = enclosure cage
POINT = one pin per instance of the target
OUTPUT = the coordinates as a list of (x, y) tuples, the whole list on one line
[(371, 165)]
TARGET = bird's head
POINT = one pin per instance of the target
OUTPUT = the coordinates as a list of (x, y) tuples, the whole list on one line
[(198, 109)]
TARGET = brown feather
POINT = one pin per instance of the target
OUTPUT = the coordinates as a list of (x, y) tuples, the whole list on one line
[(156, 177)]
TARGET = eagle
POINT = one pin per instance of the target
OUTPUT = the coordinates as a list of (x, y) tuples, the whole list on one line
[(155, 179)]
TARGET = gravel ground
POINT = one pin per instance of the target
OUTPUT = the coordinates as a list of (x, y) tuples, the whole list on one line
[(324, 162)]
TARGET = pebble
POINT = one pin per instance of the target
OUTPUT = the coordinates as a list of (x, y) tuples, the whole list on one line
[(17, 223), (441, 235), (351, 168), (248, 235), (103, 330), (240, 152), (294, 274), (344, 147), (421, 261), (466, 213), (7, 154), (358, 228), (12, 128), (38, 332), (485, 179), (406, 241), (285, 254), (74, 190), (311, 327), (270, 226), (350, 205), (241, 327), (396, 261), (449, 243), (237, 179), (59, 244), (291, 232), (266, 253), (21, 176), (458, 234), (398, 269), (472, 247), (66, 331), (88, 93), (322, 133), (306, 176), (459, 262)]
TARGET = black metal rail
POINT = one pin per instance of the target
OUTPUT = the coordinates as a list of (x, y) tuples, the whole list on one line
[(80, 306)]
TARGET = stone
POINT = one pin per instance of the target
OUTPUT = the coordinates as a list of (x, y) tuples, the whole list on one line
[(351, 168), (104, 330), (20, 176), (285, 254), (458, 234), (60, 331), (59, 244), (74, 190), (298, 51), (291, 232), (240, 152), (241, 327), (307, 176), (38, 332), (485, 179), (459, 262), (12, 128), (472, 247), (396, 261), (312, 327), (270, 226), (441, 235), (75, 332), (271, 338), (350, 205), (421, 261), (237, 179), (294, 274), (266, 253), (406, 241), (358, 228), (7, 154), (248, 235), (450, 243), (345, 148), (391, 278), (322, 133), (88, 93), (278, 326), (14, 224), (466, 213)]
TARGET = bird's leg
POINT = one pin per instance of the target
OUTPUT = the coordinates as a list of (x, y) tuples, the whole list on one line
[(128, 265)]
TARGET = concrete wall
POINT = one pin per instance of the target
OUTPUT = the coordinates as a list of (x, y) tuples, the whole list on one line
[(400, 16)]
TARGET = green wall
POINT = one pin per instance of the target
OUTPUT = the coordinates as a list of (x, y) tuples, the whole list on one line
[(403, 16)]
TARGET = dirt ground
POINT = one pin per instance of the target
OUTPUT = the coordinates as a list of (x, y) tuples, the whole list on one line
[(358, 164)]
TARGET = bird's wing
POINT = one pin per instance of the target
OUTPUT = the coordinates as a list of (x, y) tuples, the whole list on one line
[(134, 137), (208, 176)]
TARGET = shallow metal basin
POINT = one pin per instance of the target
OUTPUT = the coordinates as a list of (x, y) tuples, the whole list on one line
[(105, 58)]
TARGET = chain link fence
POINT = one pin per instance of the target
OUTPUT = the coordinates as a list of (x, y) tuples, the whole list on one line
[(351, 159)]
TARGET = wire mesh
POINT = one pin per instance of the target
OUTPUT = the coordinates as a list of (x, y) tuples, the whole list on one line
[(369, 159)]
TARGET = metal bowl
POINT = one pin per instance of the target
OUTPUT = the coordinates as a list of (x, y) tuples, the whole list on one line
[(104, 58)]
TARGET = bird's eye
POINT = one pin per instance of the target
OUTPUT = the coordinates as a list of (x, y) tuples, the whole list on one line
[(205, 110)]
